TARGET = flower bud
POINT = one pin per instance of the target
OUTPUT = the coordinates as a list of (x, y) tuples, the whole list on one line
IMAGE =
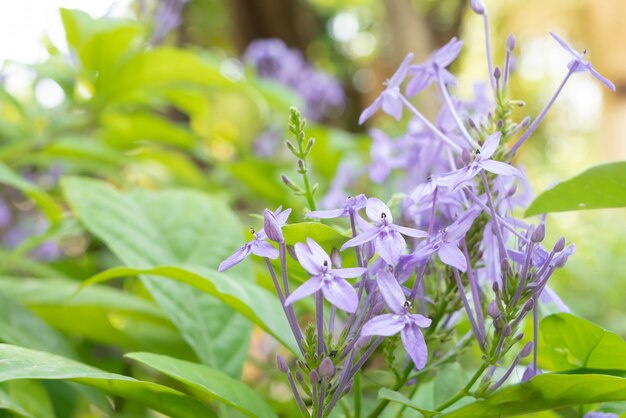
[(282, 364), (497, 73), (335, 258), (314, 377), (560, 262), (526, 350), (506, 331), (528, 306), (362, 342), (471, 123), (505, 265), (499, 124), (327, 368), (478, 6), (560, 245), (539, 233), (495, 287), (519, 336), (291, 147), (299, 377), (510, 42), (525, 122), (493, 310), (272, 227)]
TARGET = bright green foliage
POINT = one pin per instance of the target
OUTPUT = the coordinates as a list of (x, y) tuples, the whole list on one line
[(600, 187)]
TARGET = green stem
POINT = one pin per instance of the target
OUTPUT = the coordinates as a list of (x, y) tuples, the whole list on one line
[(357, 395)]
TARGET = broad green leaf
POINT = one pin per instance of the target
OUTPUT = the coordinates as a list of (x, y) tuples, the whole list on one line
[(8, 404), (449, 379), (567, 342), (22, 363), (324, 235), (146, 229), (48, 206), (82, 153), (545, 392), (32, 396), (208, 384), (397, 397), (602, 186), (252, 301), (99, 314)]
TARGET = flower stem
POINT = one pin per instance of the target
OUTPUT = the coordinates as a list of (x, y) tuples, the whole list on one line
[(453, 112), (319, 314)]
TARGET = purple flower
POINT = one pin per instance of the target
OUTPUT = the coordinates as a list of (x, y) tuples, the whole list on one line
[(435, 66), (482, 161), (400, 320), (446, 242), (598, 414), (330, 281), (258, 245), (579, 63), (353, 204), (386, 236), (390, 98), (166, 19)]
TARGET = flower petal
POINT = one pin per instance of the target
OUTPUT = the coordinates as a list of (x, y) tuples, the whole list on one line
[(306, 259), (362, 238), (237, 257), (341, 294), (375, 208), (391, 291), (565, 46), (602, 79), (420, 320), (392, 105), (500, 168), (307, 288), (398, 77), (369, 111), (390, 245), (448, 53), (263, 249), (421, 79), (452, 256), (327, 214), (318, 252), (415, 346), (385, 325), (415, 233), (348, 273), (490, 146)]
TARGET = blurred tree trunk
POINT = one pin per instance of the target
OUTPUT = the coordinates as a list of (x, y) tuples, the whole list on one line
[(290, 20)]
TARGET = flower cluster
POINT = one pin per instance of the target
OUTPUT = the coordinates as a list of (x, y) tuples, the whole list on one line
[(450, 252)]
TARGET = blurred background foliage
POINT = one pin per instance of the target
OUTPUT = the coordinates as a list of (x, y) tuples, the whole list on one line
[(156, 94)]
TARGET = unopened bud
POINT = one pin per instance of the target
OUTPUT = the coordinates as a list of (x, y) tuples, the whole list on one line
[(289, 183), (539, 233), (560, 262), (519, 337), (327, 368), (271, 226), (362, 342), (525, 122), (510, 42), (291, 147), (335, 258), (560, 245), (497, 73), (299, 377), (282, 364), (314, 377), (495, 287), (493, 310), (499, 124), (505, 265), (471, 123), (528, 306), (309, 145), (506, 331), (301, 165), (528, 348), (477, 6)]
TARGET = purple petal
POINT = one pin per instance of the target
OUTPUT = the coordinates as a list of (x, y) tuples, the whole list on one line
[(385, 325), (282, 215), (420, 320), (370, 110), (362, 238), (400, 73), (391, 291), (327, 214), (307, 288), (500, 168), (490, 146), (318, 252), (602, 79), (392, 105), (548, 295), (237, 257), (420, 80), (306, 259), (448, 53), (410, 232), (341, 294), (415, 346), (390, 245), (452, 256), (348, 273), (375, 209), (263, 249), (565, 46)]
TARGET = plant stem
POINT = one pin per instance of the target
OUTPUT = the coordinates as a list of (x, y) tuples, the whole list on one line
[(465, 391)]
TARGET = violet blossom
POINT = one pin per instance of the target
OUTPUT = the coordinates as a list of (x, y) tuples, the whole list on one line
[(352, 205), (331, 282), (424, 74)]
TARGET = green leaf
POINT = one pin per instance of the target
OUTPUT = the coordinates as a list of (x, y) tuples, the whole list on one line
[(208, 384), (8, 404), (602, 186), (146, 229), (22, 363), (449, 379), (568, 342), (545, 392), (99, 314), (48, 206), (252, 301), (324, 235), (397, 397), (32, 396)]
